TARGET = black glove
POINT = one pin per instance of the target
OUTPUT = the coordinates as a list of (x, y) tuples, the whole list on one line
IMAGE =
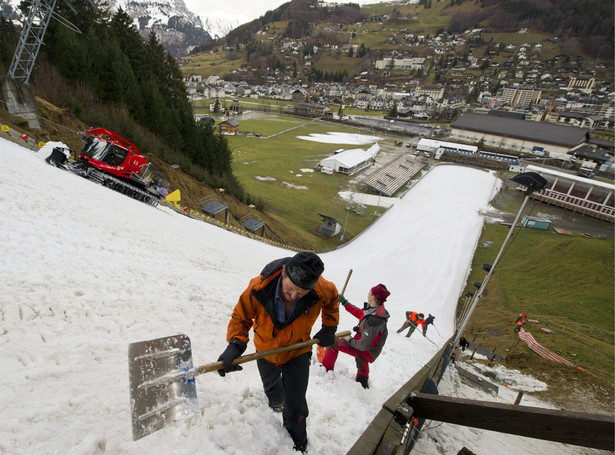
[(234, 349), (326, 335), (356, 328), (343, 300)]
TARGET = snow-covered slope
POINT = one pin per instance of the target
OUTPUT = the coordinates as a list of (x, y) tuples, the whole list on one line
[(87, 271)]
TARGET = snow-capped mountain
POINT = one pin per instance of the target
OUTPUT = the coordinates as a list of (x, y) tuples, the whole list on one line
[(219, 26), (178, 29)]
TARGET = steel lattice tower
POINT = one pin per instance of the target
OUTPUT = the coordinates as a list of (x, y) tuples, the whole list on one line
[(31, 40)]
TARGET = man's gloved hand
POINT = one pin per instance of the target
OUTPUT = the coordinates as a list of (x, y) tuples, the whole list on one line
[(343, 300), (234, 349), (356, 328), (326, 335)]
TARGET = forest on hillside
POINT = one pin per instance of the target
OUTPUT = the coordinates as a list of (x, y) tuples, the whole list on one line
[(590, 21), (108, 75), (301, 15)]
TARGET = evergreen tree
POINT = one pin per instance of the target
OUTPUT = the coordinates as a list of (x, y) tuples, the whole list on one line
[(362, 50), (138, 77)]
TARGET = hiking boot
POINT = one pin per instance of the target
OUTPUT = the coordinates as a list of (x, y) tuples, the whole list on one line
[(277, 407), (300, 447), (363, 381)]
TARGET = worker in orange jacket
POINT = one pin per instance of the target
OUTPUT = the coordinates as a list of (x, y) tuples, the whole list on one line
[(412, 320), (281, 306), (521, 319)]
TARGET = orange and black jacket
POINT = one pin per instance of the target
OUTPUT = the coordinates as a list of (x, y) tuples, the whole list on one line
[(255, 310), (413, 317)]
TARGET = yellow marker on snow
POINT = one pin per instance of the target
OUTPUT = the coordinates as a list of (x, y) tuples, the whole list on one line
[(174, 197)]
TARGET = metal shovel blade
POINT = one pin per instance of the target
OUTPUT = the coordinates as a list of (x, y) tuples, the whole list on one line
[(160, 389)]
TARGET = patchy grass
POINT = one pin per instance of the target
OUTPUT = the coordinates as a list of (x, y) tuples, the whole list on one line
[(212, 64), (516, 39), (567, 284), (276, 126), (280, 171), (336, 62), (247, 103)]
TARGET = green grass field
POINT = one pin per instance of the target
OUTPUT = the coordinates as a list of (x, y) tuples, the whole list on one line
[(334, 62), (280, 171), (564, 282), (211, 64)]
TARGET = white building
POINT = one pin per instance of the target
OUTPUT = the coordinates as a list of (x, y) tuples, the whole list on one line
[(414, 63), (349, 161), (432, 146)]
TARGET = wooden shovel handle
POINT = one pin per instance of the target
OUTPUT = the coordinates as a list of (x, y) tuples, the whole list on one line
[(215, 366), (346, 283)]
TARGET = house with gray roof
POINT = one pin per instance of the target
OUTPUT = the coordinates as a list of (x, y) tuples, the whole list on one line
[(517, 135)]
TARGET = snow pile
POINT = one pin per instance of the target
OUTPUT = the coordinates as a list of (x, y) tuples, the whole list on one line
[(341, 138)]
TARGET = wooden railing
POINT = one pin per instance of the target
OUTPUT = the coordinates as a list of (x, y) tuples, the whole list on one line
[(393, 429), (577, 204), (397, 425)]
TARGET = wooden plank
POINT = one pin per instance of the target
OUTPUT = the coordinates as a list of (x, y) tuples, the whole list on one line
[(415, 383), (390, 441), (484, 351), (583, 429), (477, 380), (370, 439), (374, 434)]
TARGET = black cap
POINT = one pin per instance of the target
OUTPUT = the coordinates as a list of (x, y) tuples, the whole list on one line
[(304, 269)]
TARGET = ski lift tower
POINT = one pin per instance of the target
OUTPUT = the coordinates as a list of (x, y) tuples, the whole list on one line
[(31, 39), (18, 97)]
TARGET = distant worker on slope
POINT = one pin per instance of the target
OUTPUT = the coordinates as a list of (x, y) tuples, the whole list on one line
[(428, 321), (521, 319), (412, 320), (281, 305), (371, 334)]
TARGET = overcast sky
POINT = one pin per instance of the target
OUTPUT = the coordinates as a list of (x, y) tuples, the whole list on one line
[(244, 10)]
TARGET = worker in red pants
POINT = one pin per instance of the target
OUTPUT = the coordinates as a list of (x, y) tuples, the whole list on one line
[(371, 334)]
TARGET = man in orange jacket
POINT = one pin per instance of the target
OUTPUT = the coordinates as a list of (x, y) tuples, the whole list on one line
[(412, 320), (282, 305)]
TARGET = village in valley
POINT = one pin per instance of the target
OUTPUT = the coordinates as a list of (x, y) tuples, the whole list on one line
[(518, 96)]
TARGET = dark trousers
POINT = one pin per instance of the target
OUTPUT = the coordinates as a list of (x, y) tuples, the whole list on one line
[(288, 383), (405, 326)]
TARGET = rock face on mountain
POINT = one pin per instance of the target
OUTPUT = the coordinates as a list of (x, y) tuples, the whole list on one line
[(178, 29)]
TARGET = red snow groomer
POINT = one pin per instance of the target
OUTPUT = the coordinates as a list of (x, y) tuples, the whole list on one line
[(116, 163)]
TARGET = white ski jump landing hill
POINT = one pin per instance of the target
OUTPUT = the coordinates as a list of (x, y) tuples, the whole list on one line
[(87, 271)]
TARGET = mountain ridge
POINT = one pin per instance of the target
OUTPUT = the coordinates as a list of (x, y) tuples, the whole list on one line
[(177, 27)]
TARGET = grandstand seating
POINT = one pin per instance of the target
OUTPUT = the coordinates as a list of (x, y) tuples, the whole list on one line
[(394, 175)]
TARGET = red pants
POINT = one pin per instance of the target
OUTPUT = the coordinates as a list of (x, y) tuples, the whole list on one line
[(360, 358)]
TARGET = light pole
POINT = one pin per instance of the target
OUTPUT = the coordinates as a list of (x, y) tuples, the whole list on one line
[(533, 182), (378, 204), (347, 213)]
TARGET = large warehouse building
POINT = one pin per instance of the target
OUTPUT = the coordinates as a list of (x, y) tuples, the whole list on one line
[(518, 135)]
